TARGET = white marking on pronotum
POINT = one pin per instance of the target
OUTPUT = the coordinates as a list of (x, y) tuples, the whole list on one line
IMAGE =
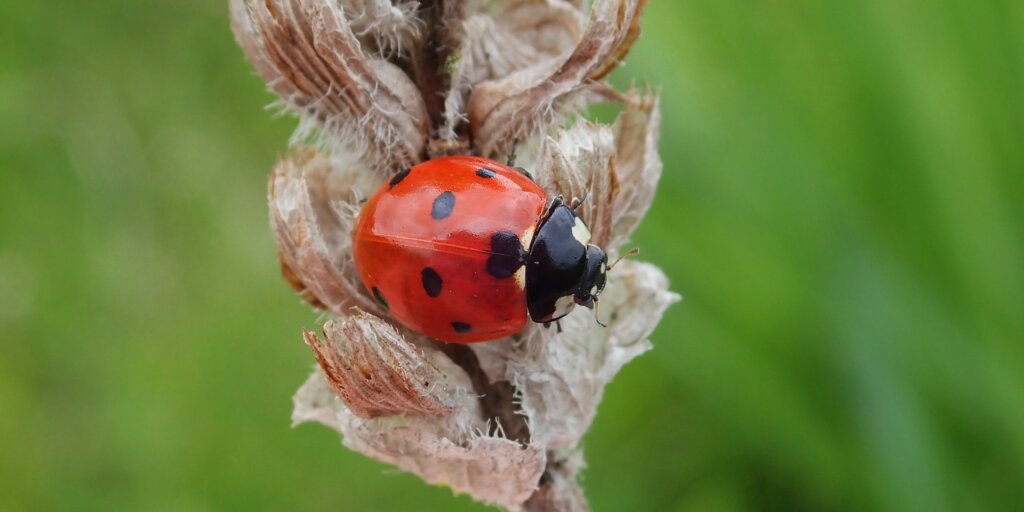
[(581, 232), (527, 240), (563, 305)]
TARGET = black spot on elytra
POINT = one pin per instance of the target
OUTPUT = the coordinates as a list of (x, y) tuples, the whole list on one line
[(443, 206), (461, 327), (485, 173), (396, 179), (431, 282), (380, 298), (507, 255), (524, 172)]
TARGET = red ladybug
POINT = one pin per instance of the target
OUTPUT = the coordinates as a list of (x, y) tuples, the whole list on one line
[(462, 248)]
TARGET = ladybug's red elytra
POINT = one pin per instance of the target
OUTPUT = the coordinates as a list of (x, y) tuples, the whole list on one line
[(463, 249)]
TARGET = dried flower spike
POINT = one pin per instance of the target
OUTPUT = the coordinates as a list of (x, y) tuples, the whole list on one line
[(382, 85)]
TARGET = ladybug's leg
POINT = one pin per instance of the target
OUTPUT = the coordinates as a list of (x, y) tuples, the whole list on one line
[(558, 325), (597, 315), (526, 173), (512, 161), (512, 154)]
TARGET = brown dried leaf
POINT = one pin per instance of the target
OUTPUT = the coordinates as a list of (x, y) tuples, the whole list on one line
[(376, 372), (500, 38), (639, 166), (300, 288), (559, 490), (580, 163), (307, 53), (505, 424), (561, 376), (447, 449), (624, 44), (312, 224), (491, 469), (386, 28), (530, 101)]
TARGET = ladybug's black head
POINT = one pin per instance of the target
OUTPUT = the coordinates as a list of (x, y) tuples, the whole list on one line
[(563, 268), (594, 277)]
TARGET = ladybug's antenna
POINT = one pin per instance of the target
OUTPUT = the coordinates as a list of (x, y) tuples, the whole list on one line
[(597, 317), (576, 203), (632, 252)]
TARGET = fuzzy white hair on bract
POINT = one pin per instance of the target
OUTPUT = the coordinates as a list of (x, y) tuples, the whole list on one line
[(381, 85)]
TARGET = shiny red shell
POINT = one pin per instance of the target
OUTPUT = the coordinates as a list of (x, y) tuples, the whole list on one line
[(432, 247)]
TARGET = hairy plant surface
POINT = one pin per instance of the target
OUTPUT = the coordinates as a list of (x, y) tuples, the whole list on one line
[(381, 85)]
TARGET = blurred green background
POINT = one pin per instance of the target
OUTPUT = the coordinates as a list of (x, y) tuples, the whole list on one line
[(841, 208)]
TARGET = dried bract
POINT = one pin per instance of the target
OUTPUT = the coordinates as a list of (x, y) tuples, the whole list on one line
[(381, 85), (308, 54), (312, 212), (376, 372), (528, 101)]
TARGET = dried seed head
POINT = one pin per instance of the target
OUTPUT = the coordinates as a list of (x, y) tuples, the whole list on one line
[(312, 211), (372, 368), (638, 165), (309, 55), (502, 38), (530, 100), (380, 85), (450, 449)]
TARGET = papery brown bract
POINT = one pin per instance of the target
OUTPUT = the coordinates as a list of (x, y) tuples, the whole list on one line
[(381, 85)]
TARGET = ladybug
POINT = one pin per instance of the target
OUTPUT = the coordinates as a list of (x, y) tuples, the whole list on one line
[(463, 249)]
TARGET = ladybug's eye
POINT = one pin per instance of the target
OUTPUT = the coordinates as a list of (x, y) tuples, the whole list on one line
[(584, 299)]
